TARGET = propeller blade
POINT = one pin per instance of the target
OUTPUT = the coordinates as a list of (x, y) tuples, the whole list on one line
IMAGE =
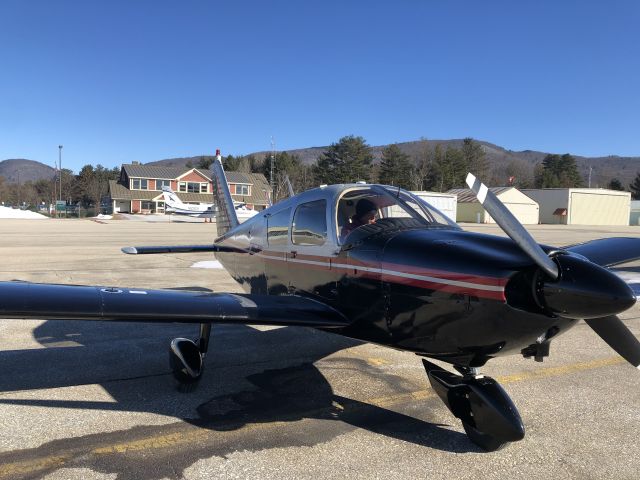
[(616, 334), (512, 226)]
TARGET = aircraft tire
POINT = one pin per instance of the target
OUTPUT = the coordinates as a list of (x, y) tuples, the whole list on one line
[(485, 441)]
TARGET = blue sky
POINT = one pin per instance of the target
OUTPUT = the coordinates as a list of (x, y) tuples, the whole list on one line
[(116, 81)]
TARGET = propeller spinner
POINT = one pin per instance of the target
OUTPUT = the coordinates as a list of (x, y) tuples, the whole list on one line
[(571, 286)]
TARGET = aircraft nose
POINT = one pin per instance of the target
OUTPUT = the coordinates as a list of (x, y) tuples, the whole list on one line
[(586, 290)]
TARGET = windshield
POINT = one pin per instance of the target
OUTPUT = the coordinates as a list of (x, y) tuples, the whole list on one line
[(385, 207)]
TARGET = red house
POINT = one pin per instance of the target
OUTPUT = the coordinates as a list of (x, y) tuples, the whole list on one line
[(139, 188)]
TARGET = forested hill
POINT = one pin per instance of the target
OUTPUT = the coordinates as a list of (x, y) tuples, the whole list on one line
[(604, 168), (19, 170)]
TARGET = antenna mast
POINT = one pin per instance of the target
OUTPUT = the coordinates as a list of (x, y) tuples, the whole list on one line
[(273, 155)]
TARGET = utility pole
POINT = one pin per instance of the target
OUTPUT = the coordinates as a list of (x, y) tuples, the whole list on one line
[(60, 164), (590, 170), (55, 182)]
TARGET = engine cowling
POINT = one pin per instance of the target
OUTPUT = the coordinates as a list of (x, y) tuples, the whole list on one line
[(583, 290)]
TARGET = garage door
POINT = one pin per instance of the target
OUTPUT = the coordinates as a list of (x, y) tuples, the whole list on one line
[(525, 213), (592, 209)]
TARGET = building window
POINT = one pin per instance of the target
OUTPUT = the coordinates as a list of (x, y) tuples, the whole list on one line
[(242, 190), (162, 183), (278, 227), (192, 187), (310, 223), (204, 188), (139, 184), (146, 205)]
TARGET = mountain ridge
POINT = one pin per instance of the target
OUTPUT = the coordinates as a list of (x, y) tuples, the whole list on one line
[(605, 168)]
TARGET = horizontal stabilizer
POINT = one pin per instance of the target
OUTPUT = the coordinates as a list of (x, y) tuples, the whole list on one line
[(607, 252), (65, 302), (179, 249)]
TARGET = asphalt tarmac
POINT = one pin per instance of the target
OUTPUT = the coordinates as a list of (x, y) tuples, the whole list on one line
[(90, 400)]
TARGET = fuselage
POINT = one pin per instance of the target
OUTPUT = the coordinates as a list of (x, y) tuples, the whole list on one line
[(433, 289)]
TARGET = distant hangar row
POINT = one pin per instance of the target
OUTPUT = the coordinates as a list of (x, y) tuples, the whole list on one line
[(567, 206)]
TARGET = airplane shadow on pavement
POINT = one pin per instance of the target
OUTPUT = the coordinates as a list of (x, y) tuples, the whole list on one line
[(253, 379)]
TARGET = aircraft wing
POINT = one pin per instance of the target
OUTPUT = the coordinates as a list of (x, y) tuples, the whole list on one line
[(66, 302), (607, 252)]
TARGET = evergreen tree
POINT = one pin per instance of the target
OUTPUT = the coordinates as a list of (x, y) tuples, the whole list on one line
[(635, 187), (475, 159), (231, 163), (205, 162), (448, 169), (395, 168), (615, 184), (558, 171), (347, 161)]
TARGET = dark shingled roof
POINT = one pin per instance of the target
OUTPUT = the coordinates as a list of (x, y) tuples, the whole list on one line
[(465, 195), (120, 192), (164, 173), (259, 188)]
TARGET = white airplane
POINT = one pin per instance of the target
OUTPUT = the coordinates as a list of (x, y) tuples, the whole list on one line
[(203, 210)]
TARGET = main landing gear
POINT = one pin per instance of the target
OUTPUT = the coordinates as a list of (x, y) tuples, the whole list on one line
[(488, 415), (186, 358)]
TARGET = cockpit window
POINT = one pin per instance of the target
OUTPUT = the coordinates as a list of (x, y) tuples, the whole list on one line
[(310, 223), (386, 207), (278, 227), (417, 205)]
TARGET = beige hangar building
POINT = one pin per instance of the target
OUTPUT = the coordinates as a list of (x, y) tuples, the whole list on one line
[(523, 207), (582, 206)]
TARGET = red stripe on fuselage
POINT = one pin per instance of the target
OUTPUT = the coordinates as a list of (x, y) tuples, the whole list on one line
[(393, 273)]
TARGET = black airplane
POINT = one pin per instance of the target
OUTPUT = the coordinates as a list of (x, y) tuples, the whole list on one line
[(378, 264)]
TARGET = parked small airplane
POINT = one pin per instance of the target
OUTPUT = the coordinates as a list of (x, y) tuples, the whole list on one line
[(173, 204), (377, 263)]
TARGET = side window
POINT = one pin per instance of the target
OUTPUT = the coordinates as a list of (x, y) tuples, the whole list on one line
[(278, 227), (310, 223)]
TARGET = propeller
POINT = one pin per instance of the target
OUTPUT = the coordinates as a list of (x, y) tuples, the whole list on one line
[(512, 226), (574, 287), (617, 336)]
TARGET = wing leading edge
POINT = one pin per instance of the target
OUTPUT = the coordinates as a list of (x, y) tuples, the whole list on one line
[(608, 252), (49, 302)]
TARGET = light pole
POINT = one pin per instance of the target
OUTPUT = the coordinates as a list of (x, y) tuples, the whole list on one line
[(60, 165)]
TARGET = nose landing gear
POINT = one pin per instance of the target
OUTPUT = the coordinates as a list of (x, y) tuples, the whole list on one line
[(186, 358), (489, 417)]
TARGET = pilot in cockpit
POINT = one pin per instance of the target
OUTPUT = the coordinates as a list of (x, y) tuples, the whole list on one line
[(365, 214)]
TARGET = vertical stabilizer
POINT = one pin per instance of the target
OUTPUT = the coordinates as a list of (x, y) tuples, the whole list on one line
[(226, 218), (170, 197)]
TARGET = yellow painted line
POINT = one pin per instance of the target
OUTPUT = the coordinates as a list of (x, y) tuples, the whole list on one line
[(152, 443), (402, 397), (505, 379), (10, 470), (173, 439), (377, 362), (563, 370)]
